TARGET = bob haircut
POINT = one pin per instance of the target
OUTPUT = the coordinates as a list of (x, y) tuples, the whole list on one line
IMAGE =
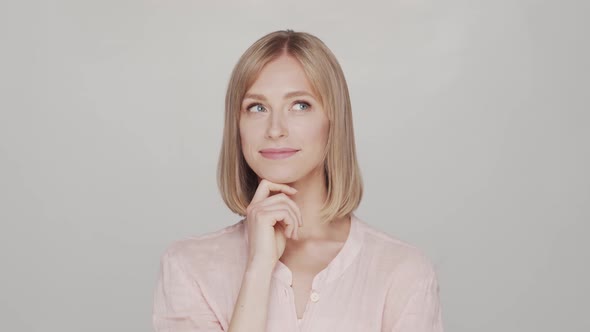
[(236, 180)]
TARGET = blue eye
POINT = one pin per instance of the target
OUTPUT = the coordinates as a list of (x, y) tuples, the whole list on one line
[(257, 108), (303, 106)]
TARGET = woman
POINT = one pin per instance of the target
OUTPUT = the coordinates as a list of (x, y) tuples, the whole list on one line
[(300, 260)]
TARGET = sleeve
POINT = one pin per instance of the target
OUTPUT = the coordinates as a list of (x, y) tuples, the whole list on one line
[(422, 312), (179, 305)]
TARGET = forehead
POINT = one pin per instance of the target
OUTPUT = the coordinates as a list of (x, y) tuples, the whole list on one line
[(281, 75)]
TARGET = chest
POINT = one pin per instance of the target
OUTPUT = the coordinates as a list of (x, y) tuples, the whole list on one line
[(304, 266)]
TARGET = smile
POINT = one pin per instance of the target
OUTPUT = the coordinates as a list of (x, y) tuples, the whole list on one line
[(278, 153)]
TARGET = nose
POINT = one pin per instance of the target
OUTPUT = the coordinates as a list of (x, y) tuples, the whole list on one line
[(276, 127)]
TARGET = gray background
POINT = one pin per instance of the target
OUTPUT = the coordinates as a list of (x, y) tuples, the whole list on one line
[(471, 122)]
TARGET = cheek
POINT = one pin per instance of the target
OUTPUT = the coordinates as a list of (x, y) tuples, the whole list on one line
[(244, 144), (243, 132), (318, 132), (248, 143), (314, 137)]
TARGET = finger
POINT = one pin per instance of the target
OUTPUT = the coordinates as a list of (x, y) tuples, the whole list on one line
[(289, 219), (284, 198), (265, 187), (278, 218), (281, 200)]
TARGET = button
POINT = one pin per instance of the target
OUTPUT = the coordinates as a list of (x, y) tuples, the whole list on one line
[(314, 296)]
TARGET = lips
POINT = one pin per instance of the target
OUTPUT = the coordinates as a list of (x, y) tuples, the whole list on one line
[(278, 153)]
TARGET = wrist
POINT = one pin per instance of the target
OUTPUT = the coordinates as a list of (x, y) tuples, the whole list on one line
[(260, 268)]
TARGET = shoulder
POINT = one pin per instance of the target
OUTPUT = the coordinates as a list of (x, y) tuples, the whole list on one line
[(207, 249), (402, 260)]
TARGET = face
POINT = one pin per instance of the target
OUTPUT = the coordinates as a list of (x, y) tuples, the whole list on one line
[(283, 127)]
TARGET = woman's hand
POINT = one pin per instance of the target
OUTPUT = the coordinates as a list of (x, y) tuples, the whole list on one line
[(270, 221)]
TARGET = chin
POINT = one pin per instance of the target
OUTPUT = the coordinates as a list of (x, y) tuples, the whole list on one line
[(279, 176)]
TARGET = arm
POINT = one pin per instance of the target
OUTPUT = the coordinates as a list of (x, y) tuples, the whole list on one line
[(179, 302), (422, 312), (179, 305), (251, 308), (271, 219)]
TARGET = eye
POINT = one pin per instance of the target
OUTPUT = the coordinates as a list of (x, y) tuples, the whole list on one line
[(302, 105), (255, 108)]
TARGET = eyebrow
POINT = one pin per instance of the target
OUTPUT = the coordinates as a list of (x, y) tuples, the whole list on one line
[(287, 95)]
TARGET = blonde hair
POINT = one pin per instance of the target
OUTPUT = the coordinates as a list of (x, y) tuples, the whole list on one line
[(236, 180)]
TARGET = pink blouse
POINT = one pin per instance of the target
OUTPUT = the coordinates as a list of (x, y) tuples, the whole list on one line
[(375, 283)]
